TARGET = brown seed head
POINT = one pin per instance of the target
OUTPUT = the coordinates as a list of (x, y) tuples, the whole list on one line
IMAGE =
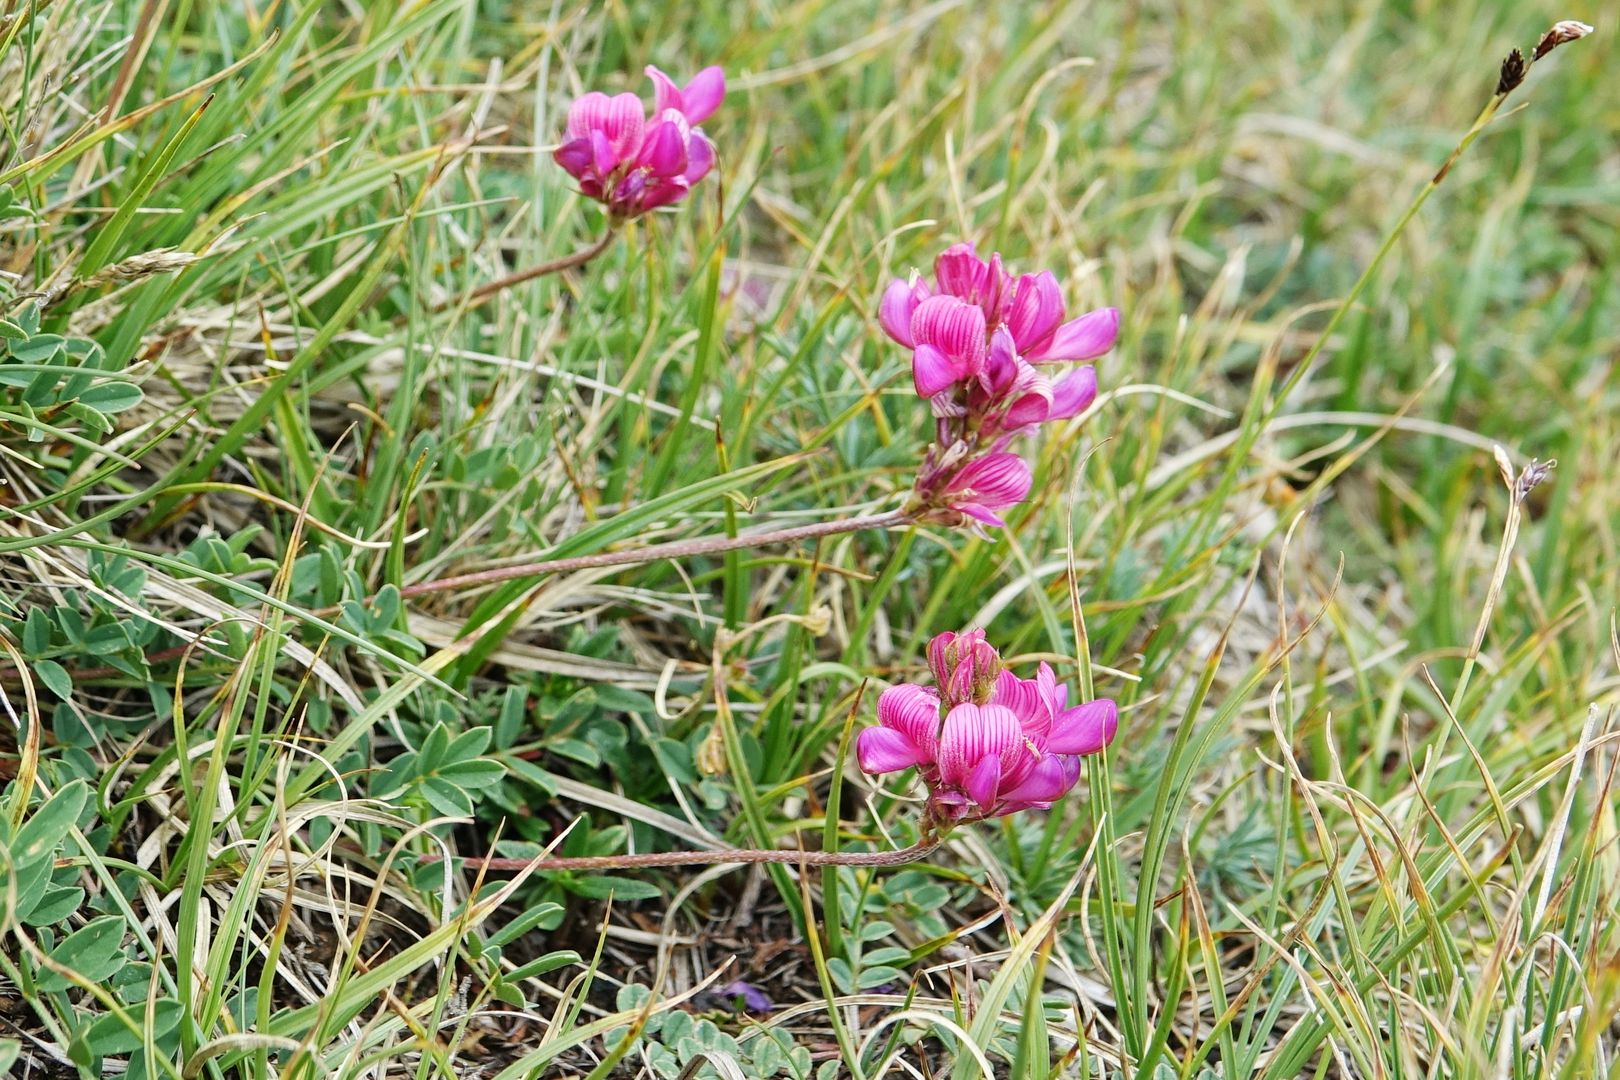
[(1513, 72), (1531, 476), (1561, 34)]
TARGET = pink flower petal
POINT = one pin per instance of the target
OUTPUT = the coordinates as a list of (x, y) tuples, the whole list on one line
[(955, 327), (982, 782), (880, 750), (575, 156), (586, 113), (605, 159), (995, 481), (1001, 364), (1074, 393), (1047, 782), (973, 733), (894, 312), (995, 290), (1085, 338), (932, 372), (1036, 310), (703, 94), (664, 151), (666, 95), (1032, 398), (960, 273), (913, 711), (664, 193), (1024, 699), (982, 514), (1084, 729), (621, 118), (699, 157)]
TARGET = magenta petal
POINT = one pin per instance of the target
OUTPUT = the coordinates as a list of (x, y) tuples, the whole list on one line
[(666, 95), (1037, 308), (1046, 685), (879, 750), (664, 193), (1046, 783), (699, 157), (894, 312), (913, 711), (995, 481), (1085, 338), (931, 371), (961, 273), (995, 290), (605, 159), (1021, 696), (1032, 398), (982, 782), (703, 94), (959, 687), (622, 118), (1084, 729), (575, 156), (664, 152), (1001, 364), (981, 514), (1030, 409), (972, 733), (955, 327), (586, 114), (1074, 393)]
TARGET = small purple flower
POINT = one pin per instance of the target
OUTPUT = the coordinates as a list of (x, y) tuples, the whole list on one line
[(633, 165), (753, 999)]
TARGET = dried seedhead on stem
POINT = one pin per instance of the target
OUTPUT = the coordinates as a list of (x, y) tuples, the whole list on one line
[(1516, 67), (1561, 34), (1531, 476)]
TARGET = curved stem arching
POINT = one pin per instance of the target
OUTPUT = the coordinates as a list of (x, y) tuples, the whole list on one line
[(674, 549)]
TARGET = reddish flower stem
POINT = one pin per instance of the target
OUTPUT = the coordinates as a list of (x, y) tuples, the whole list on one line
[(740, 856), (566, 262), (674, 549)]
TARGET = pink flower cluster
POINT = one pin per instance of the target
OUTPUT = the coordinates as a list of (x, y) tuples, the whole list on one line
[(632, 165), (979, 338), (1005, 744)]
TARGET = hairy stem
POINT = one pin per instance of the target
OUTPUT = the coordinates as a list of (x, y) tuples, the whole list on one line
[(566, 262), (737, 857), (674, 549)]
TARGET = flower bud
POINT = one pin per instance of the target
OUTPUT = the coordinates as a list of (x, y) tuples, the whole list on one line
[(965, 667)]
